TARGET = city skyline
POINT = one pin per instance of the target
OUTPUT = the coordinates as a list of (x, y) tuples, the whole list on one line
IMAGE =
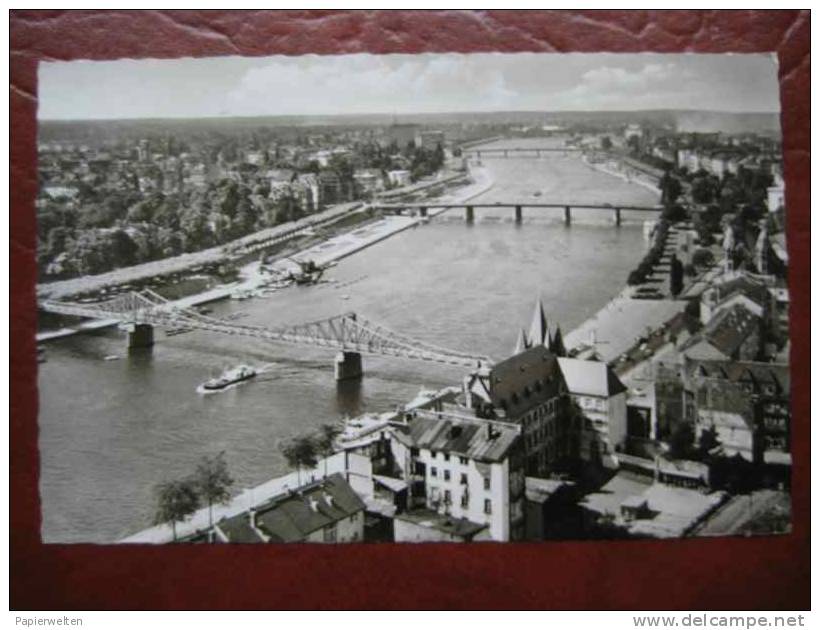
[(239, 87)]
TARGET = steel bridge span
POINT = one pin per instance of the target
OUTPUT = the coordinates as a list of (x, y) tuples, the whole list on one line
[(524, 151), (350, 334), (469, 208)]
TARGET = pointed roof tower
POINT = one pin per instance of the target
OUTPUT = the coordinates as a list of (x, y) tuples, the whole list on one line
[(539, 335), (557, 343), (521, 344)]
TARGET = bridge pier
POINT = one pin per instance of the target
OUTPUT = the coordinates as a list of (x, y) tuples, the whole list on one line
[(139, 336), (518, 214), (469, 214), (347, 366), (618, 217), (567, 215)]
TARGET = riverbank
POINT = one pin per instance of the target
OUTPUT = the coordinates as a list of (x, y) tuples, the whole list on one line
[(631, 179), (324, 253)]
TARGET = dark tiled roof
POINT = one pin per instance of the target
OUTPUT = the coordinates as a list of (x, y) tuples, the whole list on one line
[(293, 516), (727, 330), (758, 373), (742, 285), (467, 438), (238, 529), (525, 380)]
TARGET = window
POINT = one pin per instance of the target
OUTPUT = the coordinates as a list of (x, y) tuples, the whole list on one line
[(448, 499), (463, 479), (486, 483), (330, 533), (488, 506), (465, 500), (446, 475), (433, 472), (433, 454), (463, 461), (446, 457)]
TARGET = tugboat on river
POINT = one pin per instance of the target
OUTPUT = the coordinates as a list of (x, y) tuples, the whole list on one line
[(230, 377)]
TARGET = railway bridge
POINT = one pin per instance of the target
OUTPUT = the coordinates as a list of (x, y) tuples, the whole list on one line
[(351, 335)]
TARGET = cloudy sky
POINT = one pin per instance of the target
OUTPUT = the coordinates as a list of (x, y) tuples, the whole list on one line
[(355, 84)]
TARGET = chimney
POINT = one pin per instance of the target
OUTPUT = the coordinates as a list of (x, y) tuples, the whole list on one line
[(252, 517), (314, 504), (328, 499)]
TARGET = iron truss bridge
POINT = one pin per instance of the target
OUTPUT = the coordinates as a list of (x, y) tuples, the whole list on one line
[(348, 332)]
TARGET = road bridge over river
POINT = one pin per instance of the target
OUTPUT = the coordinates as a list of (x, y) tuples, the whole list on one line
[(350, 334), (470, 207)]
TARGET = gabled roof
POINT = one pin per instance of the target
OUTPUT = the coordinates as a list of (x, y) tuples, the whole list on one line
[(525, 380), (743, 285), (727, 330), (590, 378), (759, 373), (293, 516), (478, 440)]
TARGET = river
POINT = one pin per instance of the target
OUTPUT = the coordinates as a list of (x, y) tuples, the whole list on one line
[(111, 430)]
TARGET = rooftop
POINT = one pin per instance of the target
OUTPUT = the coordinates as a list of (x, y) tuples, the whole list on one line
[(459, 527), (524, 380), (727, 330), (590, 378), (293, 516), (476, 439)]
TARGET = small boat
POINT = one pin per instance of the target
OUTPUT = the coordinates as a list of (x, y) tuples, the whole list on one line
[(111, 357), (235, 375)]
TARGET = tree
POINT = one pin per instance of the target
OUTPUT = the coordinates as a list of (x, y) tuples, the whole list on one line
[(300, 453), (326, 439), (671, 189), (213, 481), (176, 501), (606, 143), (675, 276), (702, 258)]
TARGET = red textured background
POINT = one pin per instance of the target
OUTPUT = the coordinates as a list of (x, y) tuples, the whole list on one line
[(727, 573)]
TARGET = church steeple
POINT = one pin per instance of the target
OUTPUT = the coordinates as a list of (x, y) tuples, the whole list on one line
[(539, 334), (557, 343), (521, 344)]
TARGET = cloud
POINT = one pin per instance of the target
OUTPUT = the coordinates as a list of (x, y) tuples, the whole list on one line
[(653, 85), (364, 83)]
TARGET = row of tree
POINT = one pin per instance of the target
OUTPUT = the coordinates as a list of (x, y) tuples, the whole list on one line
[(644, 269), (209, 484), (211, 481)]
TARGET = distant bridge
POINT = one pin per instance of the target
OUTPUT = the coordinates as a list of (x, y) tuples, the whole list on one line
[(518, 151), (350, 334), (469, 208)]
